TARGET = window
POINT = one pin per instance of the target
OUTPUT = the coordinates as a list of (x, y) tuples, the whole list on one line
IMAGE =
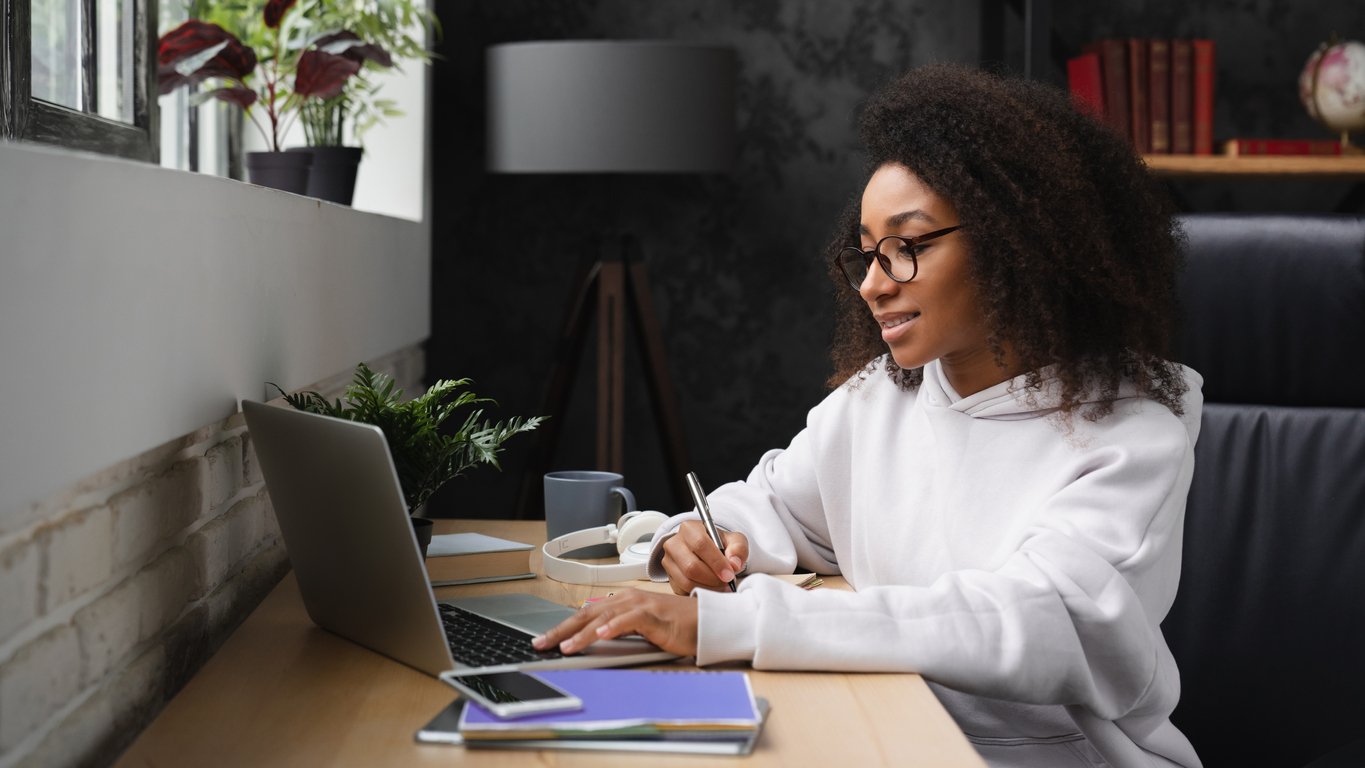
[(202, 137), (80, 74)]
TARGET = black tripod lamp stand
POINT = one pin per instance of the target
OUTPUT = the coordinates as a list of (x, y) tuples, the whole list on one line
[(610, 107)]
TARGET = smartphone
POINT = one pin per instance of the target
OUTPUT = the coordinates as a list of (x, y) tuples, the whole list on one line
[(444, 728), (512, 694)]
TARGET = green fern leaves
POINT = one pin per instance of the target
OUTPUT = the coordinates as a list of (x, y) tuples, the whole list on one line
[(425, 456)]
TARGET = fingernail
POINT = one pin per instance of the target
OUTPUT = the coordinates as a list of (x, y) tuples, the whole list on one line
[(602, 631), (567, 646), (727, 575), (538, 641), (739, 566)]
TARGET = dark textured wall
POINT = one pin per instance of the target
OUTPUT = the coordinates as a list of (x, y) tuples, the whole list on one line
[(738, 282), (734, 260)]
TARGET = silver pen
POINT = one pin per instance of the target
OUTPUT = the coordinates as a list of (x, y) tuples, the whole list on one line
[(705, 511)]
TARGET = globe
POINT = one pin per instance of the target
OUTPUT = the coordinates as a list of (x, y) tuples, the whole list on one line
[(1332, 86)]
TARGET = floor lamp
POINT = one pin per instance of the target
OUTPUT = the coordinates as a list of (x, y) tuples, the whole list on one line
[(610, 107)]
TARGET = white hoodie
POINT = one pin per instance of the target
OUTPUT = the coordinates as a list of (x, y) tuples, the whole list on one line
[(1021, 564)]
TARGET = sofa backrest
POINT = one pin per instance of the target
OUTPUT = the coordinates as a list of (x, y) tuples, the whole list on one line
[(1268, 626)]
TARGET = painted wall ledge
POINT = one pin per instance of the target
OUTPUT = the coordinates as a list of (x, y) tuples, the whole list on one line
[(138, 304)]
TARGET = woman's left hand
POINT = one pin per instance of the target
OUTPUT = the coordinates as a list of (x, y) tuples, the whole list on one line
[(668, 621)]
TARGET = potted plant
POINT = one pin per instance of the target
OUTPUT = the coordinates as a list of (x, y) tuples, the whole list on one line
[(290, 75), (334, 163), (425, 456), (379, 35)]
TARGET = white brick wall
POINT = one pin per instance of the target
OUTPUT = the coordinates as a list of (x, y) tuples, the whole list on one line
[(19, 568), (146, 516), (43, 676), (225, 472), (115, 591), (76, 555), (221, 545)]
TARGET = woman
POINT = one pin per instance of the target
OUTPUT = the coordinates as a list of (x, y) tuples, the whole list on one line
[(1004, 483)]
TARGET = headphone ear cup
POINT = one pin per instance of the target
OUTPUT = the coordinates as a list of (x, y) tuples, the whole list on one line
[(640, 525)]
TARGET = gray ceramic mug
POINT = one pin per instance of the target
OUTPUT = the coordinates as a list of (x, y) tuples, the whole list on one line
[(579, 499)]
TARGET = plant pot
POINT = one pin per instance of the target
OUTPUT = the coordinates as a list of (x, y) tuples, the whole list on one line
[(332, 177), (279, 170), (422, 527)]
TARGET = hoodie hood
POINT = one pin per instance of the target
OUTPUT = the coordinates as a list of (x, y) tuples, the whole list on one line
[(1012, 400)]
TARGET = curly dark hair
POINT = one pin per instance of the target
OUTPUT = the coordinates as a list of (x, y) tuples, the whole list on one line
[(1072, 245)]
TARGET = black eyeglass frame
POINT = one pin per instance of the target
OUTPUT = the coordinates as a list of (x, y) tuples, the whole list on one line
[(885, 261)]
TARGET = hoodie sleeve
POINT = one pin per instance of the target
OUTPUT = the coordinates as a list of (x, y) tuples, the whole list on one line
[(1071, 617), (779, 507)]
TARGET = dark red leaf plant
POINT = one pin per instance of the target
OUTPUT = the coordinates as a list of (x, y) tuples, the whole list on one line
[(197, 51)]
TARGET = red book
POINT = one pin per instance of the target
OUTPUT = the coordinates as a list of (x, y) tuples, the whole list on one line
[(1086, 84), (1140, 119), (1182, 97), (1114, 69), (1239, 147), (1203, 96), (1159, 95)]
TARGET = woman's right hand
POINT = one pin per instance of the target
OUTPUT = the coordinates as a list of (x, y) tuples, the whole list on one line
[(692, 560)]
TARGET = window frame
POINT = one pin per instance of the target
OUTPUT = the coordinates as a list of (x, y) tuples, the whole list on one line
[(24, 117)]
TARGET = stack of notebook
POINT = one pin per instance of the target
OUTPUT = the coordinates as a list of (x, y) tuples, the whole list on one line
[(470, 558), (643, 710)]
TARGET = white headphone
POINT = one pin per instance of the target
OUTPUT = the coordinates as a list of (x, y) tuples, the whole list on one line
[(632, 535)]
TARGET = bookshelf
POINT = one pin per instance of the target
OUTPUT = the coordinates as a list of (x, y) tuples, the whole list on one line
[(1343, 167)]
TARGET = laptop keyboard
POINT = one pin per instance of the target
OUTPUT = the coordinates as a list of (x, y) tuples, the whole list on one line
[(481, 642)]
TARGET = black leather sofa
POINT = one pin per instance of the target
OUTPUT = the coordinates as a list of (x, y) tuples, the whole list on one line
[(1269, 624)]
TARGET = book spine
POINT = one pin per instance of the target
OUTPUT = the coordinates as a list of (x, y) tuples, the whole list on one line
[(1182, 97), (1086, 84), (1203, 96), (1159, 95), (1241, 147), (1138, 115), (1114, 69)]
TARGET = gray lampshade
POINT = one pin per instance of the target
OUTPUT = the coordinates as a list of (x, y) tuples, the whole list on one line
[(611, 107)]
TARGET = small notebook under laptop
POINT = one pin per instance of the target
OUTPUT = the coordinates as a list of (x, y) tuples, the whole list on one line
[(345, 524)]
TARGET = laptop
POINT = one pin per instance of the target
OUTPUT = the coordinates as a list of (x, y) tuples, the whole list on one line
[(350, 541)]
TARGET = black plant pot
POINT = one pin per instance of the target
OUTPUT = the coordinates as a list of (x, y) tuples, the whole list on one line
[(279, 170), (332, 177), (422, 527)]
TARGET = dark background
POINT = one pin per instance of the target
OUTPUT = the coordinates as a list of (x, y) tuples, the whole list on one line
[(735, 260)]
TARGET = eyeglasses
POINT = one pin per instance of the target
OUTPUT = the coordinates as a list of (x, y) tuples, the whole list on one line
[(897, 255)]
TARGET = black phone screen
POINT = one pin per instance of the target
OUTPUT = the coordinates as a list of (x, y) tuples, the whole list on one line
[(510, 687)]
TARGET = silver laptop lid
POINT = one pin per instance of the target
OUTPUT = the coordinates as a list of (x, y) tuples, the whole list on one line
[(346, 527)]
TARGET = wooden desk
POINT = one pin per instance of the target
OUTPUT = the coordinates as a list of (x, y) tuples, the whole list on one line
[(283, 692)]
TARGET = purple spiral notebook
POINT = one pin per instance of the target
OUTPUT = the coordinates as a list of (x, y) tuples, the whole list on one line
[(623, 698)]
